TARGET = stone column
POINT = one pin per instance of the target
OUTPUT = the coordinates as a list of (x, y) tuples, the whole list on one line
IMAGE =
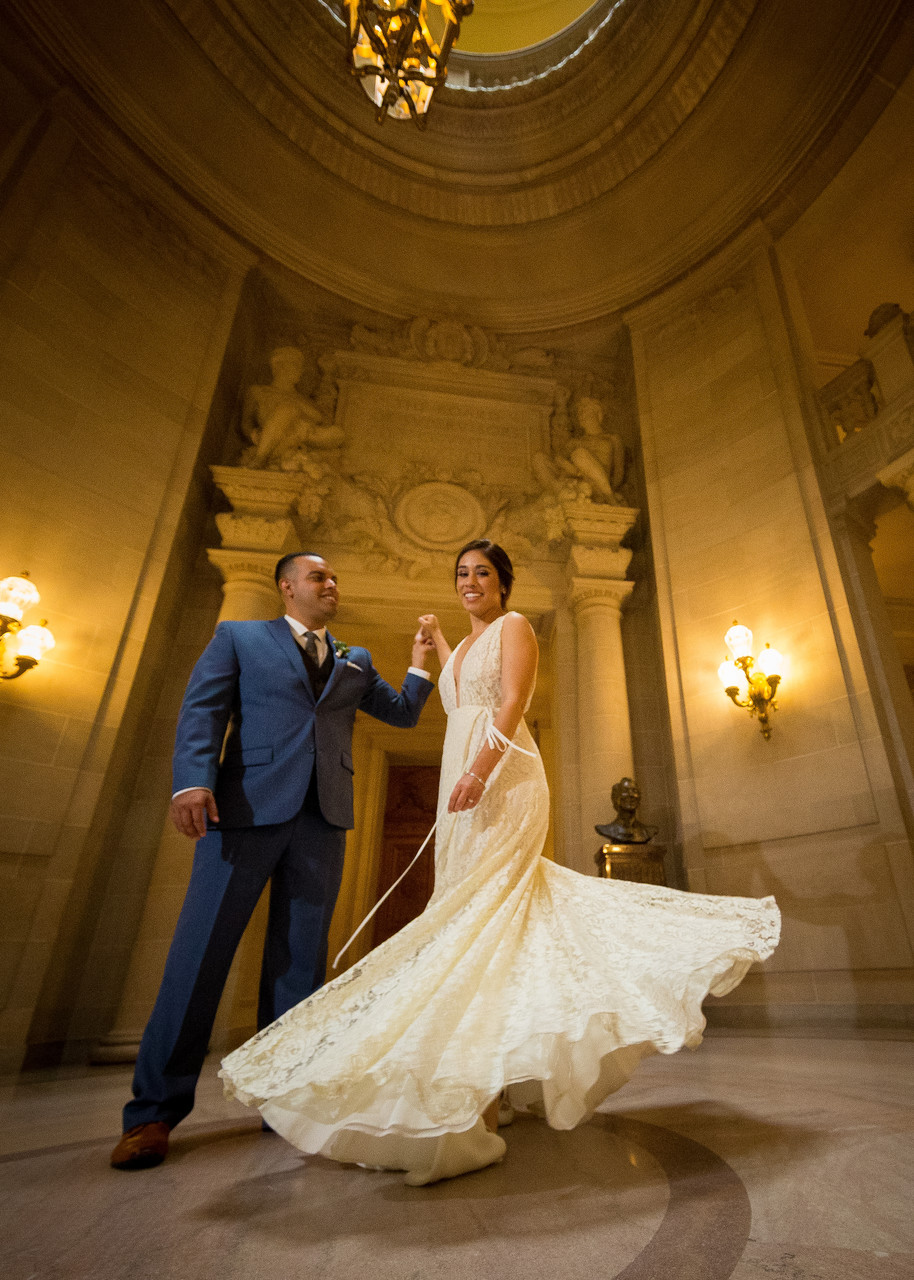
[(254, 535), (597, 590), (248, 587)]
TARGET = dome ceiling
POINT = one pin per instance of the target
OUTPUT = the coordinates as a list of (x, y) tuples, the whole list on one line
[(553, 183)]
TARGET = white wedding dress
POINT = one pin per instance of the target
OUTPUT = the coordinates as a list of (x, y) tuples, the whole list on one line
[(517, 970)]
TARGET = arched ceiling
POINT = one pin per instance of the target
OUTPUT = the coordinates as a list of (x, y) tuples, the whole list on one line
[(552, 185)]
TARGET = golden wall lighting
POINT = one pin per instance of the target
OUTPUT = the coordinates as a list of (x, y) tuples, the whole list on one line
[(399, 50), (751, 683), (21, 648)]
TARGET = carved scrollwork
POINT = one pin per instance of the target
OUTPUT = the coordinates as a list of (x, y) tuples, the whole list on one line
[(423, 338)]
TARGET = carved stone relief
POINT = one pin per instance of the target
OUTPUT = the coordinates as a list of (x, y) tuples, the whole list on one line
[(439, 515), (342, 466)]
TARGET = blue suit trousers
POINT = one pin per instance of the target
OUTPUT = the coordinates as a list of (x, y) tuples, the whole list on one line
[(303, 860)]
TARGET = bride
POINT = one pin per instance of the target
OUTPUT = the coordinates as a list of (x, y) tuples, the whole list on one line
[(518, 969)]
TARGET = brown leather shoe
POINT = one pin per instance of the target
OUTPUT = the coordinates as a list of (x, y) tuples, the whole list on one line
[(142, 1147)]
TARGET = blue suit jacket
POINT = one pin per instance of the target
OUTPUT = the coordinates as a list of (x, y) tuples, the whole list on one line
[(251, 680)]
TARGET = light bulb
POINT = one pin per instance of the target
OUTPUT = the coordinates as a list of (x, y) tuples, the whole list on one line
[(771, 662), (17, 595), (34, 642), (739, 641), (730, 675)]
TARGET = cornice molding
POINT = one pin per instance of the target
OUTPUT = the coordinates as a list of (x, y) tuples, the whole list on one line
[(598, 153)]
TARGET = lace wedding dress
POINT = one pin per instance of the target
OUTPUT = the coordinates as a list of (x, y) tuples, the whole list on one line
[(517, 970)]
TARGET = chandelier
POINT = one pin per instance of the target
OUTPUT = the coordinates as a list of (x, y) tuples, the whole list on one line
[(399, 50)]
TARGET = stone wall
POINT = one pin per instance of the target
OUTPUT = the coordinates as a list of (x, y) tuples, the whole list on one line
[(115, 324), (740, 531)]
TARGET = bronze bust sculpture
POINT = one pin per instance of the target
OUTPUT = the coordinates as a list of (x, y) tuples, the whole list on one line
[(626, 829)]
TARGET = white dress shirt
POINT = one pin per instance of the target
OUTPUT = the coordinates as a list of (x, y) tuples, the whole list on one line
[(299, 631)]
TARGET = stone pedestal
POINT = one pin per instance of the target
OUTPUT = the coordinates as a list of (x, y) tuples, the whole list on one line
[(642, 863)]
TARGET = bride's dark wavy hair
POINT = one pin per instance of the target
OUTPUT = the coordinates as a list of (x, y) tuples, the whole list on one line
[(497, 557)]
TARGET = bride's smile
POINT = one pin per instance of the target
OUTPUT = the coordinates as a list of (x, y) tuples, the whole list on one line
[(479, 587)]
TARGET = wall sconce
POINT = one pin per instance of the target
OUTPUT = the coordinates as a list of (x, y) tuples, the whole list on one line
[(21, 648), (756, 682)]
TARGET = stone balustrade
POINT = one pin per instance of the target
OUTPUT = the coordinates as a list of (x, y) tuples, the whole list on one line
[(872, 406)]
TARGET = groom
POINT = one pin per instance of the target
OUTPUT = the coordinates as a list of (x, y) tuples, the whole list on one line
[(273, 803)]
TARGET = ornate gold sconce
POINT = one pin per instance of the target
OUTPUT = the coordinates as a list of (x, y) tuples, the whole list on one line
[(21, 648), (399, 50), (748, 682)]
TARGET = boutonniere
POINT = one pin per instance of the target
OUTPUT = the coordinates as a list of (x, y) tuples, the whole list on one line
[(341, 650)]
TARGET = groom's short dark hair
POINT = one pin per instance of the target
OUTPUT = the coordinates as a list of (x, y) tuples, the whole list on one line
[(283, 564)]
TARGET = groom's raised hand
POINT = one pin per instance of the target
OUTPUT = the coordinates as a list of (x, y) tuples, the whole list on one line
[(422, 646), (190, 809)]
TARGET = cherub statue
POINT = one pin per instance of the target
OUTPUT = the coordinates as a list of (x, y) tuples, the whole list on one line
[(597, 455), (592, 464), (279, 421), (627, 829)]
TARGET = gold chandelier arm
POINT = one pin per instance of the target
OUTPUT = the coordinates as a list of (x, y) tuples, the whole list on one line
[(733, 695), (22, 665)]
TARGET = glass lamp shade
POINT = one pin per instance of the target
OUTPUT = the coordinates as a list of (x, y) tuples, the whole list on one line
[(33, 642), (771, 662), (739, 641), (17, 595), (730, 675)]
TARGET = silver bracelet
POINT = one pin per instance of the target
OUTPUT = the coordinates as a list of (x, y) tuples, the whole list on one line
[(470, 774)]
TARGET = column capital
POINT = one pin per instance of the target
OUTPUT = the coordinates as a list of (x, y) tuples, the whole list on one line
[(900, 475), (589, 593), (857, 517), (254, 567), (248, 590)]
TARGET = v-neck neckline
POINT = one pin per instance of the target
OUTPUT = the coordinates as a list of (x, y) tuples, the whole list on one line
[(454, 669)]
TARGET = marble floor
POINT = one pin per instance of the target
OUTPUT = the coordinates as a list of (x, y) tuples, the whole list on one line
[(756, 1158)]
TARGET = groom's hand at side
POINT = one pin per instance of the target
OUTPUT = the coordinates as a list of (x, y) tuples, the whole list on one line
[(190, 809)]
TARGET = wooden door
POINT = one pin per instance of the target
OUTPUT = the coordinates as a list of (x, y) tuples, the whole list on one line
[(412, 797)]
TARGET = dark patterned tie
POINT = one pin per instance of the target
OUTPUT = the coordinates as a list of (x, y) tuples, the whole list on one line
[(311, 646)]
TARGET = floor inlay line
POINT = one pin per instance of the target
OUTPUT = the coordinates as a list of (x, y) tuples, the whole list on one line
[(706, 1226)]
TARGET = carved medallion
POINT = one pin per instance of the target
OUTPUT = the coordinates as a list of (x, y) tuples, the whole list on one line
[(439, 516)]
